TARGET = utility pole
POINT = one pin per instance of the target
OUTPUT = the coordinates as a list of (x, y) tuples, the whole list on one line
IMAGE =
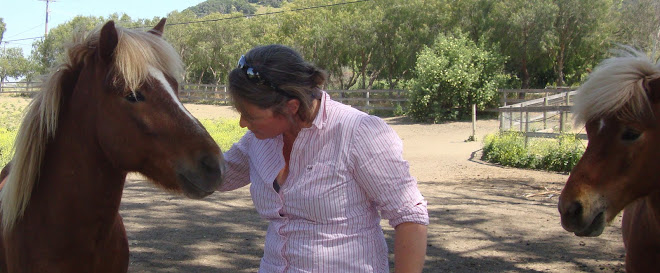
[(47, 11)]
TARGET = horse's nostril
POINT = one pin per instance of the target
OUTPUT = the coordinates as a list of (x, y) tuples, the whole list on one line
[(210, 163), (575, 209)]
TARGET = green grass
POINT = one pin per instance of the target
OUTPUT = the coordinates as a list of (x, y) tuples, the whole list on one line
[(508, 149), (11, 114), (225, 132)]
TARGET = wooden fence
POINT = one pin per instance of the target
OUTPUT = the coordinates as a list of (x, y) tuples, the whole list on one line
[(535, 112), (540, 113), (365, 100), (20, 88)]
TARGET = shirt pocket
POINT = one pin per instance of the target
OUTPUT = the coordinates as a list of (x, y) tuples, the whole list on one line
[(322, 193)]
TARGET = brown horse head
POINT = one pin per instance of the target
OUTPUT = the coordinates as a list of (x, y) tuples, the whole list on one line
[(141, 124), (112, 108), (619, 103)]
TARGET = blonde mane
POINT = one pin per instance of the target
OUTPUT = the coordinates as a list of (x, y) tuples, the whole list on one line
[(136, 51), (616, 87)]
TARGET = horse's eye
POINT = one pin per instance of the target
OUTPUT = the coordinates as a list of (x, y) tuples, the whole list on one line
[(134, 97), (630, 135)]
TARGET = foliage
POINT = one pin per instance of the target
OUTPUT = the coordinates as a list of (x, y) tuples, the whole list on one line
[(520, 31), (452, 75), (3, 27), (508, 148), (50, 50), (10, 119), (222, 6), (12, 63)]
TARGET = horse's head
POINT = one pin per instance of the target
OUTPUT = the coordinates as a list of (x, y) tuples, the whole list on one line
[(129, 85), (620, 104)]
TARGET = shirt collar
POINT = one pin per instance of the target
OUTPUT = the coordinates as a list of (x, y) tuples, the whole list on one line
[(321, 116)]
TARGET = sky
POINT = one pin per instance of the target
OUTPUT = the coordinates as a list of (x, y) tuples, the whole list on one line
[(27, 18)]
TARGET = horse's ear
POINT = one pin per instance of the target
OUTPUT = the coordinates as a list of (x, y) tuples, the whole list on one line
[(108, 41), (158, 29), (653, 90)]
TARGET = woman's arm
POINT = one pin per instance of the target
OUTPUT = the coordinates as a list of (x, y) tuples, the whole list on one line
[(409, 247)]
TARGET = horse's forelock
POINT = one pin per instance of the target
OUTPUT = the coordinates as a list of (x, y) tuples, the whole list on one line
[(616, 88), (137, 51)]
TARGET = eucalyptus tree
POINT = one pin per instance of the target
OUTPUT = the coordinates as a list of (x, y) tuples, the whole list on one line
[(520, 28), (638, 25), (403, 29), (581, 36)]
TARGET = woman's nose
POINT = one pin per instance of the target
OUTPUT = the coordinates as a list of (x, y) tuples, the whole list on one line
[(242, 122)]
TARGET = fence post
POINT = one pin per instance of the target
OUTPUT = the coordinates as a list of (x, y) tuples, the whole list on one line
[(545, 114), (501, 114), (526, 127), (474, 122)]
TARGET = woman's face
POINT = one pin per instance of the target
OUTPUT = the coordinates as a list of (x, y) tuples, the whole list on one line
[(264, 123)]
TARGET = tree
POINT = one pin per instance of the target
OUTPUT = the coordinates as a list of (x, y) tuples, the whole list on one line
[(639, 25), (520, 30), (12, 63), (50, 50), (3, 27), (580, 37), (403, 29), (222, 6)]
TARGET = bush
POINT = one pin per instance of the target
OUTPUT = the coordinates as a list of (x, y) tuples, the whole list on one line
[(450, 76), (508, 149)]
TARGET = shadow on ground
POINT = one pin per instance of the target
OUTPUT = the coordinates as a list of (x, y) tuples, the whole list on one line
[(223, 232)]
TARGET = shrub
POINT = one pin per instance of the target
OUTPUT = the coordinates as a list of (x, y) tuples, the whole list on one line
[(508, 149), (450, 76)]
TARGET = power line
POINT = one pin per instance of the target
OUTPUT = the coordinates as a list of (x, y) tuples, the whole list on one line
[(236, 17), (267, 13), (16, 40)]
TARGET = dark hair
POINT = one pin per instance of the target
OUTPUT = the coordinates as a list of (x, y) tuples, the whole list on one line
[(283, 75)]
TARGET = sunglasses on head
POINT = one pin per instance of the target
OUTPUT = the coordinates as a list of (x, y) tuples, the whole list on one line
[(254, 76), (249, 71)]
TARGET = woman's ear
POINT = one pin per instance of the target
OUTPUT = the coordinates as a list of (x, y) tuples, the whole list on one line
[(292, 106)]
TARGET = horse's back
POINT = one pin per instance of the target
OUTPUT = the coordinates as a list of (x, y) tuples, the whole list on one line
[(640, 228)]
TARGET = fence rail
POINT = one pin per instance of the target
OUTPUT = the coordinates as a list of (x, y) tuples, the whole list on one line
[(362, 99), (537, 112)]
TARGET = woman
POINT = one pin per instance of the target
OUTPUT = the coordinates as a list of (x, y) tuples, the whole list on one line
[(320, 172)]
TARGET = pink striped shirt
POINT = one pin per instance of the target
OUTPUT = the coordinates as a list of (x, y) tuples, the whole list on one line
[(343, 170)]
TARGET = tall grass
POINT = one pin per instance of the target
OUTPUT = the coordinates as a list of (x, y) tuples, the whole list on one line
[(508, 148)]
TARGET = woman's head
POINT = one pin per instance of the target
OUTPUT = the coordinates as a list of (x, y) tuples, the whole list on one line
[(270, 76)]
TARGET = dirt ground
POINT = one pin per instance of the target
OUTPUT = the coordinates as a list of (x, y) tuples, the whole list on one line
[(484, 218)]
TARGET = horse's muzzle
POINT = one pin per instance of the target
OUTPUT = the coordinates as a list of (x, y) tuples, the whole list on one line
[(201, 179)]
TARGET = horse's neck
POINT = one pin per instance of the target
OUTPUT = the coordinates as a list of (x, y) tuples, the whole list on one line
[(75, 173)]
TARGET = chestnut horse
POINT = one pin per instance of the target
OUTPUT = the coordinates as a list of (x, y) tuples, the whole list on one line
[(113, 108), (620, 105)]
